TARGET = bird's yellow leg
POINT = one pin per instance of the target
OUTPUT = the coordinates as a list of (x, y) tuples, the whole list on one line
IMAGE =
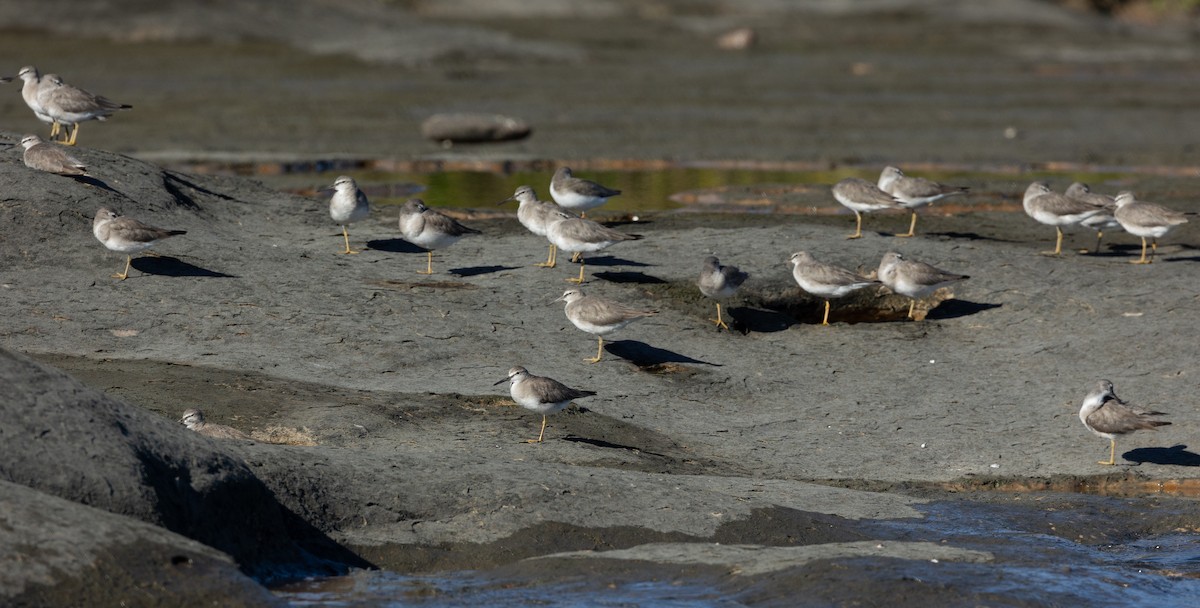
[(825, 319), (74, 134), (719, 322), (549, 263), (911, 306), (912, 227), (541, 434), (1099, 236), (576, 256), (1143, 259), (1153, 249), (857, 226), (346, 235), (1112, 453), (1057, 243), (54, 127), (578, 281), (599, 351), (428, 263), (125, 275)]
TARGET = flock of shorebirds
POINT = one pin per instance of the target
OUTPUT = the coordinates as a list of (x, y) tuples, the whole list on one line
[(564, 224)]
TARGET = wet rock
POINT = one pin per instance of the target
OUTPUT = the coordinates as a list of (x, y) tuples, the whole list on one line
[(473, 128), (738, 39)]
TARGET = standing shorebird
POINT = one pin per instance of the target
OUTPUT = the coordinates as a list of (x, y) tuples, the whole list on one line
[(577, 194), (193, 419), (719, 282), (825, 280), (579, 235), (69, 105), (598, 316), (1101, 221), (429, 229), (1146, 220), (1106, 415), (348, 205), (30, 88), (861, 196), (1054, 209), (535, 216), (126, 235), (541, 394), (914, 192), (50, 158), (912, 278)]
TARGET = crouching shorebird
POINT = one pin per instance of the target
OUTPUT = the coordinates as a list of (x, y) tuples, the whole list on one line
[(50, 158), (825, 280), (914, 192), (598, 316), (1054, 209), (913, 279), (541, 394), (69, 105), (126, 235), (429, 229), (579, 235), (1106, 415), (535, 216), (719, 282), (193, 419), (348, 205), (577, 194), (861, 196), (1146, 220)]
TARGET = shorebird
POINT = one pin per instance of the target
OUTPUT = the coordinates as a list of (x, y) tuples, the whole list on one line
[(429, 229), (579, 235), (1101, 221), (126, 235), (50, 158), (1054, 209), (825, 280), (30, 88), (913, 192), (598, 316), (193, 419), (69, 105), (861, 196), (1106, 415), (348, 205), (534, 215), (540, 394), (577, 194), (912, 278), (719, 282), (1146, 220)]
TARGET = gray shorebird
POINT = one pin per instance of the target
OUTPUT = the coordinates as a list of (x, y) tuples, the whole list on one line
[(577, 194), (126, 235), (579, 235), (825, 280), (1106, 415), (348, 205), (534, 215), (193, 419), (1054, 209), (50, 158), (31, 85), (861, 196), (429, 229), (914, 192), (913, 279), (541, 394), (1101, 221), (598, 316), (1146, 220), (69, 105), (719, 282)]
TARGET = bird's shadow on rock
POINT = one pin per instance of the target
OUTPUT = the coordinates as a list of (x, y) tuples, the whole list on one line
[(174, 267), (478, 270), (955, 308), (608, 260), (969, 236), (1177, 455), (394, 246), (629, 277), (757, 320), (642, 354)]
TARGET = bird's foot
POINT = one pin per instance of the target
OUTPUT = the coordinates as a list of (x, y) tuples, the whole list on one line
[(720, 323)]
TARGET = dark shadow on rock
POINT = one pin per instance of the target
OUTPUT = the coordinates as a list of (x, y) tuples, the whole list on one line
[(755, 320), (953, 309), (641, 354), (600, 443), (1190, 258), (969, 236), (609, 260), (1177, 455), (97, 183), (394, 246), (628, 277), (478, 270), (174, 267), (173, 180)]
